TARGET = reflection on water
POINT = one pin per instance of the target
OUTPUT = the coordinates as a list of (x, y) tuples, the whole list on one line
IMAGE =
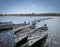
[(54, 32), (53, 27)]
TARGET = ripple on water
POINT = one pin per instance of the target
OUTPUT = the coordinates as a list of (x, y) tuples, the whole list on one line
[(6, 38)]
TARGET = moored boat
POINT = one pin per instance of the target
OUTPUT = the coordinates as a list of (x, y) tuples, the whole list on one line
[(30, 36), (6, 25), (10, 25), (38, 37), (21, 36)]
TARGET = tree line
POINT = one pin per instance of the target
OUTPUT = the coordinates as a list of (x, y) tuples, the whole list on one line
[(32, 14)]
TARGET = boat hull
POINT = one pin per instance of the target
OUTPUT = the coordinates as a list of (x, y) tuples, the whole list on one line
[(21, 42), (40, 42), (5, 27)]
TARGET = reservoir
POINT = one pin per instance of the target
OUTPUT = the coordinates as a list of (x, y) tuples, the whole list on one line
[(53, 28)]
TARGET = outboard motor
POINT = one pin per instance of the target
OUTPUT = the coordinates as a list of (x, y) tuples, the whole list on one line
[(44, 27), (33, 25)]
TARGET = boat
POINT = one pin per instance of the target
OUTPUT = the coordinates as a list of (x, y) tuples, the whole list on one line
[(30, 36), (6, 25), (39, 20), (20, 36), (37, 37), (10, 25)]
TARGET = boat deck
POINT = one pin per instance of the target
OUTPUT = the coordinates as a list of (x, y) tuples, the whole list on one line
[(21, 34), (33, 35), (36, 36), (19, 28)]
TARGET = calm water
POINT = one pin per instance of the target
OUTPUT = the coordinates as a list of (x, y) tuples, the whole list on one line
[(53, 27)]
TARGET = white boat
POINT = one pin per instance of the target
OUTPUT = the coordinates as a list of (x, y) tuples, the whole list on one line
[(38, 37), (30, 37), (6, 25)]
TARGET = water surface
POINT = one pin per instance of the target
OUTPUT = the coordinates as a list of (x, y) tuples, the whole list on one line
[(53, 26)]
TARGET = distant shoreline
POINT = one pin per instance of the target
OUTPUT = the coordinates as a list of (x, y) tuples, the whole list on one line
[(33, 14)]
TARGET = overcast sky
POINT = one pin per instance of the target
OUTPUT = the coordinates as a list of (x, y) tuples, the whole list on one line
[(29, 6)]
